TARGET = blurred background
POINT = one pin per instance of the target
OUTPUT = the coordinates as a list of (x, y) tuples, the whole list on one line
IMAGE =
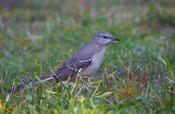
[(43, 28), (39, 35), (49, 32)]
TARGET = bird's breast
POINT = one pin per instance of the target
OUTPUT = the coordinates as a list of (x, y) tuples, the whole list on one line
[(96, 62)]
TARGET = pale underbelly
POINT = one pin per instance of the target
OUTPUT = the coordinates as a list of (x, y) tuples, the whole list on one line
[(92, 69), (97, 59)]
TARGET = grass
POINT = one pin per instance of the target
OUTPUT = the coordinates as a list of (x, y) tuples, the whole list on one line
[(136, 75)]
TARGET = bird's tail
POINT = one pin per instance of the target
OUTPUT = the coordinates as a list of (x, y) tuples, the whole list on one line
[(30, 83)]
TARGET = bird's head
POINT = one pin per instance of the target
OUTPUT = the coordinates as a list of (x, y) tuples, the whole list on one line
[(104, 38)]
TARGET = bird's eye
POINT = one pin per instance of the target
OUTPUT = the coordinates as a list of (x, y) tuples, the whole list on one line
[(105, 37)]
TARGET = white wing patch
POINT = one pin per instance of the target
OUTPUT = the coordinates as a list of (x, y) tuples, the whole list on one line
[(87, 60), (70, 67)]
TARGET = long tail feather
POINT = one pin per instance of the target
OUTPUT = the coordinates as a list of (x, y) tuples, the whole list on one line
[(30, 83)]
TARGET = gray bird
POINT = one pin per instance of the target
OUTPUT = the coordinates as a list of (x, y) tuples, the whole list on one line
[(88, 59)]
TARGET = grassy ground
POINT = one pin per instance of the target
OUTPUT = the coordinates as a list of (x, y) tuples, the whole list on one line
[(136, 75)]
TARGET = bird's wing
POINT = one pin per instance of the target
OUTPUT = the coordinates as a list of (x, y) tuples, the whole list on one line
[(82, 59), (70, 67)]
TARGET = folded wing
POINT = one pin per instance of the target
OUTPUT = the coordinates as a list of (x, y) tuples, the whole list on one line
[(71, 67)]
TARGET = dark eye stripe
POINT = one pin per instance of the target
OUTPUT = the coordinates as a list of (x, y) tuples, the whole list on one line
[(105, 37)]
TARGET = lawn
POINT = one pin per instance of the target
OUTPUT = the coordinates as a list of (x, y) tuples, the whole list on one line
[(137, 74)]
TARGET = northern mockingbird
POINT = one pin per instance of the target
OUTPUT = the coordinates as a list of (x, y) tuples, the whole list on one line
[(88, 59)]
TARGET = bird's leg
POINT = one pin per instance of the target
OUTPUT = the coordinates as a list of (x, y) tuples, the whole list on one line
[(88, 80)]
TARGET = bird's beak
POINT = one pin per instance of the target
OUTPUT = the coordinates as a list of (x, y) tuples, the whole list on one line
[(115, 39)]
